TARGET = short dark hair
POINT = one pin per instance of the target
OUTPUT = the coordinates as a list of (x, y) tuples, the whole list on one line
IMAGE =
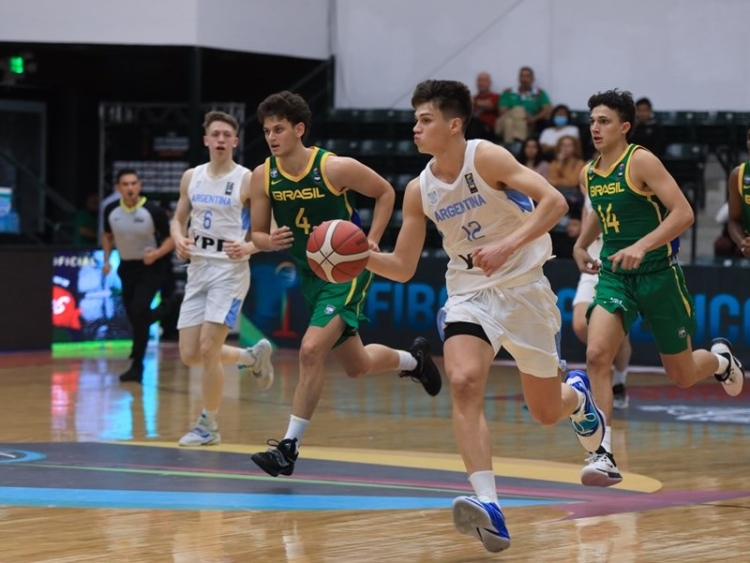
[(526, 68), (286, 105), (642, 101), (125, 172), (620, 101), (215, 115), (561, 107), (452, 98)]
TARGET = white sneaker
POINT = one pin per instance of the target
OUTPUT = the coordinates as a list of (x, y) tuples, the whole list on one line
[(600, 470), (734, 377), (202, 435), (262, 369)]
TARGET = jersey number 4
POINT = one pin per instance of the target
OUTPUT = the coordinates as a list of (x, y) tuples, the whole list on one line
[(302, 222), (609, 219)]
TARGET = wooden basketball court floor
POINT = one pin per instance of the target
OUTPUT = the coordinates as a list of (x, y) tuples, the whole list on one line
[(90, 471)]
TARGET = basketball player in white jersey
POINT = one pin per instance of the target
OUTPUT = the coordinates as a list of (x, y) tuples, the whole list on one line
[(215, 197), (497, 293)]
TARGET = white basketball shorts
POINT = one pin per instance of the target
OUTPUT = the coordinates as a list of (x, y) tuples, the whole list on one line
[(214, 292), (586, 289), (524, 320)]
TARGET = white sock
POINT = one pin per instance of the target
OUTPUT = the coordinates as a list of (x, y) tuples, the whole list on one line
[(406, 362), (296, 429), (723, 364), (247, 358), (210, 416), (618, 377), (484, 485), (607, 439), (581, 399)]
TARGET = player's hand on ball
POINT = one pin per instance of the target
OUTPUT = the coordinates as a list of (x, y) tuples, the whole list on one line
[(281, 238), (374, 247)]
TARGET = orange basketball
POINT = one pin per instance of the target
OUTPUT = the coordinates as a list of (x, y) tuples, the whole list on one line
[(337, 251)]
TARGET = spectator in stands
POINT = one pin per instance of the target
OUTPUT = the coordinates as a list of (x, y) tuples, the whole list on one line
[(647, 131), (523, 110), (565, 169), (564, 172), (530, 156), (738, 223), (560, 127), (486, 109)]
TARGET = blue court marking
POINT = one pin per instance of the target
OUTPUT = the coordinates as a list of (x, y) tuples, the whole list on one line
[(107, 498), (19, 456)]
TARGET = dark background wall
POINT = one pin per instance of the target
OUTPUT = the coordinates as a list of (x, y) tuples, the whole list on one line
[(25, 298), (73, 79)]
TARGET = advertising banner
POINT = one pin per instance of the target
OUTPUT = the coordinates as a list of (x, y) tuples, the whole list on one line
[(400, 312)]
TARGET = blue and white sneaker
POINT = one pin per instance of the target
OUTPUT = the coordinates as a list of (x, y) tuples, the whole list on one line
[(484, 520), (588, 421), (202, 434)]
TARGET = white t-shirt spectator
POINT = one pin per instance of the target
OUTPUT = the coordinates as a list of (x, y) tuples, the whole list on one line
[(551, 135)]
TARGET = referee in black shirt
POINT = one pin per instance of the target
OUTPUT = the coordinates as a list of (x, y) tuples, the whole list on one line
[(139, 229)]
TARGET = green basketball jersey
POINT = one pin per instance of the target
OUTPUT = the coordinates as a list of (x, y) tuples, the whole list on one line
[(626, 214), (744, 187), (305, 201)]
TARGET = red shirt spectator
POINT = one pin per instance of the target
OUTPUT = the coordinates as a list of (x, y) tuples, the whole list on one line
[(486, 101)]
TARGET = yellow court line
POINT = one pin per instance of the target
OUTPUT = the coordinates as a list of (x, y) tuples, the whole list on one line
[(504, 467)]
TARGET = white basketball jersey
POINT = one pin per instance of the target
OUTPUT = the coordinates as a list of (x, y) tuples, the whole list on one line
[(469, 214), (596, 247), (217, 212)]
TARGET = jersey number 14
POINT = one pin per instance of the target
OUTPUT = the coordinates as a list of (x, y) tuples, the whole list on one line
[(609, 219)]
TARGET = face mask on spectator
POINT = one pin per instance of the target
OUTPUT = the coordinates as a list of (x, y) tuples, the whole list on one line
[(560, 120)]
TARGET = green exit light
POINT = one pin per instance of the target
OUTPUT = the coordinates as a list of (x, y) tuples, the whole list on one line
[(15, 64)]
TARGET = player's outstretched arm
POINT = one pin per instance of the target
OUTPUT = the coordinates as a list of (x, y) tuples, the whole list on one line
[(178, 228), (262, 236), (401, 264), (349, 174)]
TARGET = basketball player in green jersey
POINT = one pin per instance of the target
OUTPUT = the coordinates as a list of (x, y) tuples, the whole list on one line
[(739, 204), (640, 212), (303, 187)]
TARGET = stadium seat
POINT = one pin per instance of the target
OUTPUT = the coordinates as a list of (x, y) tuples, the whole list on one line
[(375, 147), (342, 147), (401, 180), (580, 117), (687, 162)]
